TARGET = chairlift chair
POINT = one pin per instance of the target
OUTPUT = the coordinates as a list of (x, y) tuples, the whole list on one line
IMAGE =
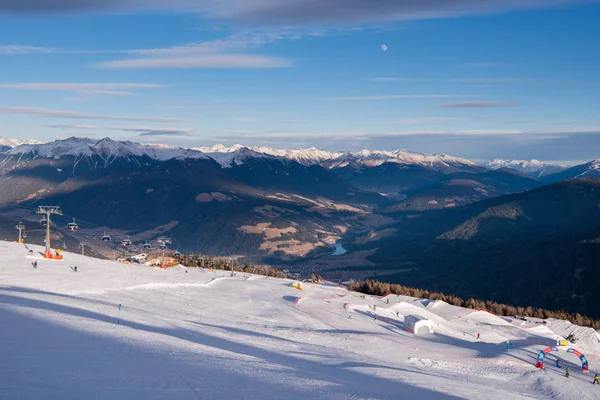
[(177, 254), (44, 221), (105, 237), (147, 245), (126, 242), (72, 226)]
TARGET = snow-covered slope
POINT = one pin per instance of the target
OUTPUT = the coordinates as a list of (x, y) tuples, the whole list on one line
[(532, 168), (367, 158), (374, 158), (105, 148), (121, 331), (10, 143)]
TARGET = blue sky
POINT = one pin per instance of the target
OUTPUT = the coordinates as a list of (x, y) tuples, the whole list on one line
[(472, 78)]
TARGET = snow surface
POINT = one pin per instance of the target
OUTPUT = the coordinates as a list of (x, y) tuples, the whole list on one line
[(532, 167), (8, 142), (195, 334), (106, 148), (312, 156)]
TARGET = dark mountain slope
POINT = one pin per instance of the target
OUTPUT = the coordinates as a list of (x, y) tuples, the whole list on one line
[(538, 248)]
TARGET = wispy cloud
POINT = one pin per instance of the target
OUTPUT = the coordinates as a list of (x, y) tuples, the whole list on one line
[(390, 79), (314, 137), (150, 131), (291, 11), (241, 41), (13, 49), (244, 119), (482, 64), (296, 122), (478, 104), (49, 113), (75, 126), (403, 96), (204, 61), (424, 120), (115, 89)]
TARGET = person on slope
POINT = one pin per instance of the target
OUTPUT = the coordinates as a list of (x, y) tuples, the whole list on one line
[(596, 380), (478, 335), (568, 373)]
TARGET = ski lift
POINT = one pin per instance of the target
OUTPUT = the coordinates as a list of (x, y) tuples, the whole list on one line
[(105, 237), (146, 245), (72, 226), (190, 257), (177, 254), (162, 246), (44, 222), (126, 242)]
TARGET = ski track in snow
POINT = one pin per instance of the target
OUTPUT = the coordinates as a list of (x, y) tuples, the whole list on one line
[(208, 335)]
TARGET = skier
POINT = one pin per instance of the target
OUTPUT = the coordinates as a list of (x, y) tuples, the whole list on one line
[(596, 380), (35, 264), (75, 269), (568, 372), (375, 317), (558, 363), (388, 301), (478, 335)]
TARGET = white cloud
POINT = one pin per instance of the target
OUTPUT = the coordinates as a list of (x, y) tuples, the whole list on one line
[(49, 113), (403, 96), (478, 104), (290, 11), (21, 49), (390, 79), (424, 120), (75, 126), (204, 61), (153, 131), (115, 89)]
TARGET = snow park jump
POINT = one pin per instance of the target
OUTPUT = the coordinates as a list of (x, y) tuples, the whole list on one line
[(542, 355)]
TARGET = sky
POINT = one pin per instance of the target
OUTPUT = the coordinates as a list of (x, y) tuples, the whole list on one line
[(471, 78)]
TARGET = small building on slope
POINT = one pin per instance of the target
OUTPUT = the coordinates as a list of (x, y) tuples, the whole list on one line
[(418, 325)]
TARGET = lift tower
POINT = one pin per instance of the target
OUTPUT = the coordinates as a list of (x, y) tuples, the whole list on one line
[(20, 227), (163, 242), (48, 211)]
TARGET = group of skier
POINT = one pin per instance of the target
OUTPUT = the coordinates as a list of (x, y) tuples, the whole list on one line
[(568, 373)]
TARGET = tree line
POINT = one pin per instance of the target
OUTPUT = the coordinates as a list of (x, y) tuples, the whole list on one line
[(377, 288), (219, 263)]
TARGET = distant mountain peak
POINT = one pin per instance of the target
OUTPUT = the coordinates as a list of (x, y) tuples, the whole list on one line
[(533, 168)]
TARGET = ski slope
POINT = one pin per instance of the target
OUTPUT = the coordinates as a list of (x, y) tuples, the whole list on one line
[(195, 334)]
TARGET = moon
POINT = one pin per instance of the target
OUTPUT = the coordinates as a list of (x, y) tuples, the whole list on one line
[(383, 47)]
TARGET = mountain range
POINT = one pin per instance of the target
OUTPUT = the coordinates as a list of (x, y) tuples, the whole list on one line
[(412, 218)]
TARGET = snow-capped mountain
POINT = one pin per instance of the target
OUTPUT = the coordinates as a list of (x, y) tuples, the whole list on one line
[(330, 159), (374, 158), (107, 149), (9, 143), (533, 168), (587, 170), (236, 153)]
